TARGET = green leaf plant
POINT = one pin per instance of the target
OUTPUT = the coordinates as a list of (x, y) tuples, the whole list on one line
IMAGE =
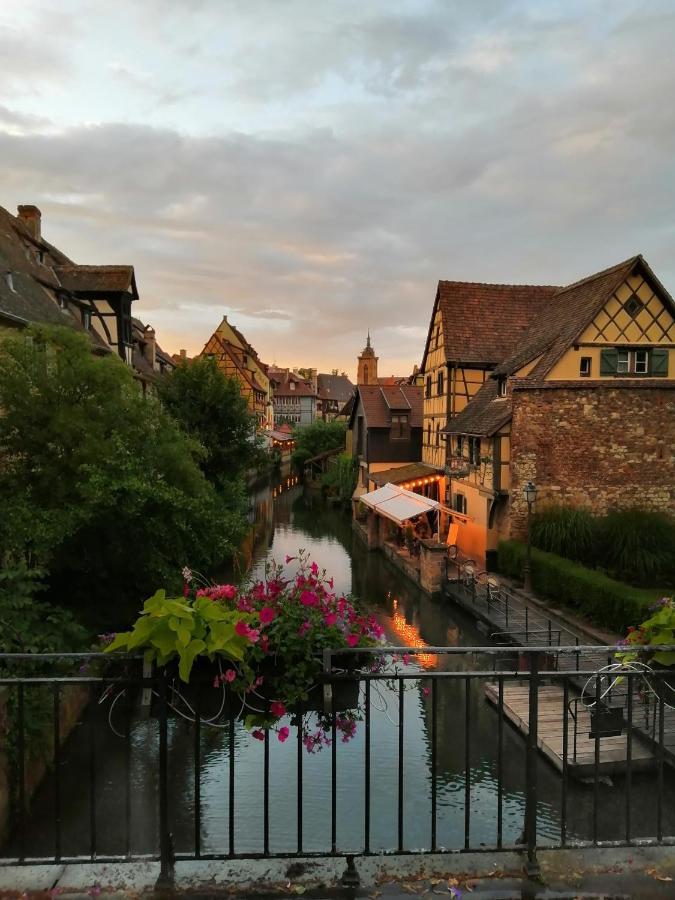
[(657, 630)]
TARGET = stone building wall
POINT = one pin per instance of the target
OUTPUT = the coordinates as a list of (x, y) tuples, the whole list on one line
[(601, 446)]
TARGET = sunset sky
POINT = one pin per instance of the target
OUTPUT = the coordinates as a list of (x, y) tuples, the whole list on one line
[(312, 169)]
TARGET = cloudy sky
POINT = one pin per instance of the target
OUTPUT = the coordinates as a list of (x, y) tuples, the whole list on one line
[(311, 168)]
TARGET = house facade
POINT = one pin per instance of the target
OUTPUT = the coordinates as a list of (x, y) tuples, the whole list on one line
[(332, 393), (39, 284), (582, 401), (237, 359), (293, 398)]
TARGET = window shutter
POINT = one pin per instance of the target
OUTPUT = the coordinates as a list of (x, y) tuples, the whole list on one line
[(608, 362), (659, 362)]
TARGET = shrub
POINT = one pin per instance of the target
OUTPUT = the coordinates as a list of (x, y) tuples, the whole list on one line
[(608, 603), (638, 545), (319, 437), (340, 479), (569, 531)]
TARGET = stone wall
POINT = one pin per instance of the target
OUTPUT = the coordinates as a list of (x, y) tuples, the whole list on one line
[(602, 446)]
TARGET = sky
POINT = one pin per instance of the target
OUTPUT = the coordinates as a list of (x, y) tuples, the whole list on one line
[(312, 168)]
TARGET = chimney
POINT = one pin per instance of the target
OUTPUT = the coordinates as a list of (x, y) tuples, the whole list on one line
[(150, 348), (31, 218), (183, 354)]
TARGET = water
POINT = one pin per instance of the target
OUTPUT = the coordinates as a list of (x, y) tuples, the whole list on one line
[(126, 780)]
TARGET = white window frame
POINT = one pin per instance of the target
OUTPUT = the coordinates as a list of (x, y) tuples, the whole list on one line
[(585, 364), (620, 363), (641, 358)]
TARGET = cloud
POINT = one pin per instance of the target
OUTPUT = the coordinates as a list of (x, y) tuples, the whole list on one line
[(435, 140)]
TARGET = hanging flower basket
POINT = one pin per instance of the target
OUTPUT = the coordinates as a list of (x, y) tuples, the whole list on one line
[(255, 651), (637, 649)]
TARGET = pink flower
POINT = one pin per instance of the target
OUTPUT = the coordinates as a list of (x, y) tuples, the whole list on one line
[(309, 598), (426, 691), (330, 619), (330, 583), (228, 591), (277, 709), (230, 675), (258, 734), (304, 628), (406, 659), (186, 589), (290, 559), (314, 569), (253, 635), (242, 628), (266, 615), (283, 734), (264, 643), (352, 639)]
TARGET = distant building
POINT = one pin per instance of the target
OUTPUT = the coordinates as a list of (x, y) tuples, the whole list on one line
[(293, 397), (39, 284), (333, 392), (237, 359)]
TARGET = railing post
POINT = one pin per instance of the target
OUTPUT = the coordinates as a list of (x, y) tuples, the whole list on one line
[(531, 763), (165, 880)]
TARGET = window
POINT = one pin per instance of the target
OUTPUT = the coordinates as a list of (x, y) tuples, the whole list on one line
[(40, 256), (501, 387), (400, 430), (623, 361), (460, 504), (585, 367), (474, 451), (86, 318), (9, 278), (427, 393), (63, 301), (652, 361), (439, 383), (438, 434), (460, 445), (633, 305), (641, 362)]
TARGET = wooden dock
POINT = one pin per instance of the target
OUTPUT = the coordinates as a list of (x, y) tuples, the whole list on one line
[(613, 750)]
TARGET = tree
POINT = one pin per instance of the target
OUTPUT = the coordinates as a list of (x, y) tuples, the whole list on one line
[(320, 436), (211, 408), (99, 485)]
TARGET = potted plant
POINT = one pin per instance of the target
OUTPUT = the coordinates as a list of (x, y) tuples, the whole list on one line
[(257, 646), (636, 647)]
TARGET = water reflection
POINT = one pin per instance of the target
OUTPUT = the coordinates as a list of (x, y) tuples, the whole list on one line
[(281, 525)]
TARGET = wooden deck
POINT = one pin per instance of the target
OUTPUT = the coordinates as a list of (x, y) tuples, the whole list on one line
[(613, 750)]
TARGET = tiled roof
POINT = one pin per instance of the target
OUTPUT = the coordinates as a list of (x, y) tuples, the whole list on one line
[(402, 473), (97, 279), (571, 309), (377, 411), (301, 389), (334, 387), (484, 323), (348, 407), (484, 415), (393, 379)]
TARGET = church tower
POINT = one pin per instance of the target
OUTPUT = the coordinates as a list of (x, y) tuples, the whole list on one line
[(367, 371)]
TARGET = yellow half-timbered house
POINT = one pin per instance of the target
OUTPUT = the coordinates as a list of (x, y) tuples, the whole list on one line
[(583, 405)]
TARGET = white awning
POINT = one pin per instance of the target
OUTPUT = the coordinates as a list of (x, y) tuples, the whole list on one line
[(398, 504)]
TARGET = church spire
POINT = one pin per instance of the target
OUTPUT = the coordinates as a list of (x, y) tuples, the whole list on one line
[(367, 368)]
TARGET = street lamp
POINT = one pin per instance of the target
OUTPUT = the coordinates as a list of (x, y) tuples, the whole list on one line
[(530, 494)]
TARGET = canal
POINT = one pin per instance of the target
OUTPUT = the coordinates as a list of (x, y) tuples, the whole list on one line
[(109, 784)]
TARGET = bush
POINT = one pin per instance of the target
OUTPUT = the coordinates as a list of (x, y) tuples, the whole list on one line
[(638, 545), (569, 531), (608, 603)]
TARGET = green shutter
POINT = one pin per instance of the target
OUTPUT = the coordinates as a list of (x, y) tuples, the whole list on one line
[(609, 360), (659, 362)]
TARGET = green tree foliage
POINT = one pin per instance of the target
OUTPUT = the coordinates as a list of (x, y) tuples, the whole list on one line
[(320, 436), (99, 485), (340, 479), (210, 407)]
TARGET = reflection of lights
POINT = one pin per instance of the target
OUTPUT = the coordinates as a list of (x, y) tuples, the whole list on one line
[(410, 636)]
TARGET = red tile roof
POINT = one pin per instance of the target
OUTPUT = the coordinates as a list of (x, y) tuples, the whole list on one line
[(377, 410), (484, 323)]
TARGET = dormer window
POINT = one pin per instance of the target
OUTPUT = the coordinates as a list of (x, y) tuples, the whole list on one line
[(633, 305), (400, 427), (501, 387)]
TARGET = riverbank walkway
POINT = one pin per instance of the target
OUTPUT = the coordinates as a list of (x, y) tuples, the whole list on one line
[(517, 619)]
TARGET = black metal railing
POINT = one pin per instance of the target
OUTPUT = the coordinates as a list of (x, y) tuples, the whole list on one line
[(548, 730)]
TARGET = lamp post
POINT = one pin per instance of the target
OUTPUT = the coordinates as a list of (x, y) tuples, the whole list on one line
[(530, 494)]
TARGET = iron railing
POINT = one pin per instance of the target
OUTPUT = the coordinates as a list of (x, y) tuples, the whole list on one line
[(479, 669)]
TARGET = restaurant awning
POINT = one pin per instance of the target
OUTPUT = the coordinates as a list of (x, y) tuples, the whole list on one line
[(398, 504)]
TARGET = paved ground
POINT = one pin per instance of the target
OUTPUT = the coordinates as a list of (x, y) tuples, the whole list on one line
[(640, 874)]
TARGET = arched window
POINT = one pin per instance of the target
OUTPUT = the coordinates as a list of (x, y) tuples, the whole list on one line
[(365, 374)]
